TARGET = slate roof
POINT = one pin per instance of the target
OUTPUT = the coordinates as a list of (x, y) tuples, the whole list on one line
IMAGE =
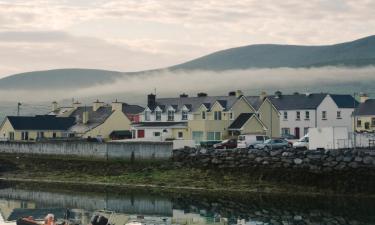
[(254, 101), (132, 109), (41, 122), (95, 117), (159, 124), (345, 101), (240, 121), (367, 108), (194, 103), (297, 101)]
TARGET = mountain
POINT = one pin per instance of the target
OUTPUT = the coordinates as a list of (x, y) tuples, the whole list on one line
[(60, 78), (356, 53)]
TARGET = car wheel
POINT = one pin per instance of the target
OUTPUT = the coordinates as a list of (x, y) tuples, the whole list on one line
[(251, 147), (284, 147), (266, 148)]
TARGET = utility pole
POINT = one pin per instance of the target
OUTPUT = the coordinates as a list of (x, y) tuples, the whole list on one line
[(355, 123), (18, 108)]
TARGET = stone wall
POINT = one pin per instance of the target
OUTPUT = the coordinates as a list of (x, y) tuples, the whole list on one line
[(311, 160), (128, 150)]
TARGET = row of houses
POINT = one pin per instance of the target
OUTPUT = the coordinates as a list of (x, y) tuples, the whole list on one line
[(201, 118)]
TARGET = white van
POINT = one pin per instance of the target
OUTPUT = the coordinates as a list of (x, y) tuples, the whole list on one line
[(302, 143), (250, 140)]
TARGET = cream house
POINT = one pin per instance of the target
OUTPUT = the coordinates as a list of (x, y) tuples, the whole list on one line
[(101, 120), (34, 128), (365, 115)]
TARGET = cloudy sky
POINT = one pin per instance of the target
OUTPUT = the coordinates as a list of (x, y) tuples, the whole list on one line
[(131, 35)]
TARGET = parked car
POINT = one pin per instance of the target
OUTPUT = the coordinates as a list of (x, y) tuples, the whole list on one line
[(226, 144), (274, 144), (302, 143), (288, 136), (250, 140)]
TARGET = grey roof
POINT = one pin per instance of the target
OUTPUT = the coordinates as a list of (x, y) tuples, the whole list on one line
[(95, 117), (367, 108), (297, 101), (132, 109), (254, 101), (195, 102), (345, 101), (240, 121), (41, 122)]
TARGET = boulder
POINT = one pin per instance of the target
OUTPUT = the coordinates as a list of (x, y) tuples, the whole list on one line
[(298, 161), (368, 160)]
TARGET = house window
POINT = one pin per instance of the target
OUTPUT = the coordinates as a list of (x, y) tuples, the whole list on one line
[(170, 115), (338, 114), (359, 123), (298, 115), (147, 116), (285, 115), (367, 125), (25, 135), (324, 115), (157, 134), (285, 130), (40, 134), (54, 135), (213, 136), (373, 121), (11, 136), (180, 134), (231, 116), (305, 130), (307, 115), (158, 115), (184, 115), (197, 136), (203, 115), (217, 115)]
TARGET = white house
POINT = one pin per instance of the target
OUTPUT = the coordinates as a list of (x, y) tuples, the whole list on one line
[(299, 112)]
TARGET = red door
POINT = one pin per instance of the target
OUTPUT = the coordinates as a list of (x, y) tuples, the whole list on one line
[(141, 133), (296, 132)]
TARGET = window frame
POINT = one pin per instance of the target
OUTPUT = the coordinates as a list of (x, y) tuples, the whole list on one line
[(157, 115), (217, 115), (324, 115), (170, 115), (298, 115), (338, 115), (285, 116), (184, 115), (307, 115)]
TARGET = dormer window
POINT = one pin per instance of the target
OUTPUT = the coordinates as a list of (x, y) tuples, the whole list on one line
[(147, 115), (217, 115), (231, 116), (203, 115), (184, 115), (170, 115), (158, 115)]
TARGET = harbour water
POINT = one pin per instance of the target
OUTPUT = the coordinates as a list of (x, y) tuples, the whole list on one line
[(166, 208)]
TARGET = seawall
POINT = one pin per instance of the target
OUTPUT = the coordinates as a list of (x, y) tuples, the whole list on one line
[(109, 151)]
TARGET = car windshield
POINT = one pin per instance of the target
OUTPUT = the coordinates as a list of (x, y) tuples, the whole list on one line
[(241, 138), (225, 141), (268, 141)]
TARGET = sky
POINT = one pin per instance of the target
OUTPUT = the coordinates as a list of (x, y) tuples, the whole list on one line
[(134, 35)]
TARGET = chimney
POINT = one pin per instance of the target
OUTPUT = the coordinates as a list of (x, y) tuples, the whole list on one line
[(97, 104), (202, 94), (76, 104), (85, 117), (151, 101), (363, 97), (278, 94), (117, 105), (232, 93), (262, 96), (55, 106), (239, 93), (183, 95)]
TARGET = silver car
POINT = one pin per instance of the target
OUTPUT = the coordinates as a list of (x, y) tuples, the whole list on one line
[(274, 144)]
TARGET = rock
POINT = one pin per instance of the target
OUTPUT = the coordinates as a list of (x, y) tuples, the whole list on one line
[(297, 218), (286, 154), (358, 159), (368, 160), (275, 152), (353, 165), (298, 161), (347, 159), (258, 159), (340, 166)]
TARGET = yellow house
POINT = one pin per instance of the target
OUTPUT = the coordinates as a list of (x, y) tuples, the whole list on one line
[(365, 115), (101, 120), (32, 128)]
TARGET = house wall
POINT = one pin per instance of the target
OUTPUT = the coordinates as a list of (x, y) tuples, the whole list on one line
[(116, 121), (270, 116), (331, 108), (292, 121), (253, 126), (164, 117), (241, 106), (365, 119), (6, 127)]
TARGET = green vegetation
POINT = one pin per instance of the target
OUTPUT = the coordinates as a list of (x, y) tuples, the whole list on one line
[(165, 175)]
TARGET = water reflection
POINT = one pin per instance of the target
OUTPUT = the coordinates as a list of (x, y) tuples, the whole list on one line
[(185, 209)]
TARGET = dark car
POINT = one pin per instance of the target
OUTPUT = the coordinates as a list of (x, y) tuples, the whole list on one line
[(226, 144), (288, 136), (274, 144)]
